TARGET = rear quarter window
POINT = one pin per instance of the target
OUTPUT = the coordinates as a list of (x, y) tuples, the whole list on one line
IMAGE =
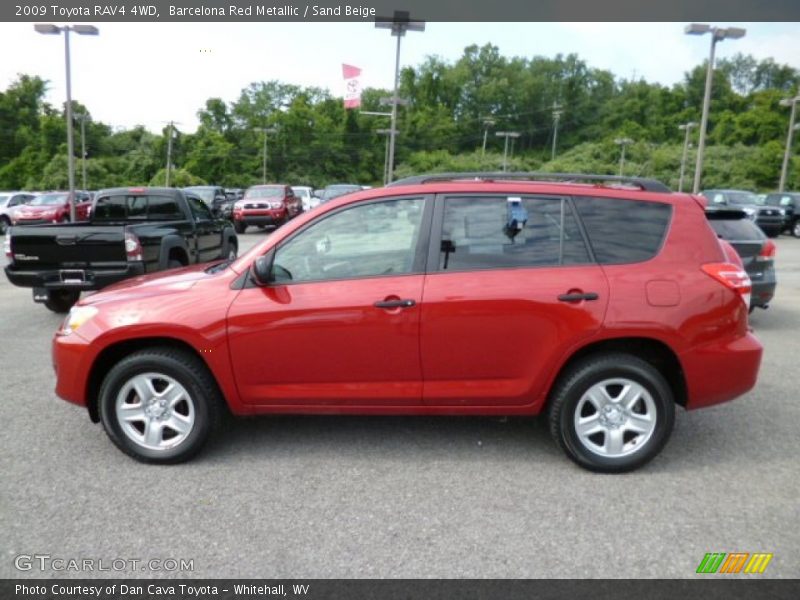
[(736, 230), (623, 231)]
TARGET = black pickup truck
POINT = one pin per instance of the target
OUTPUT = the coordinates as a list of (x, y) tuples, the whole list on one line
[(132, 231)]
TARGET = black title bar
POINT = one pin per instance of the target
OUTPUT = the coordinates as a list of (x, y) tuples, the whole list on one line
[(369, 10)]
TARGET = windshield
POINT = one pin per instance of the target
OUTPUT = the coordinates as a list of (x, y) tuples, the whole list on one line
[(302, 192), (264, 192), (779, 200), (334, 191), (741, 198), (49, 200), (206, 194)]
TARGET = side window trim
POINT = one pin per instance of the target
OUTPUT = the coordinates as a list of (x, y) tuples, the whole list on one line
[(437, 225), (420, 254)]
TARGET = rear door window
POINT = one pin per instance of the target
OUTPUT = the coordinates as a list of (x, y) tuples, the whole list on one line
[(509, 231), (623, 231), (122, 207)]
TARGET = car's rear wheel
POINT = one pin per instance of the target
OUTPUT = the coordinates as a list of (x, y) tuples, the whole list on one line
[(159, 405), (612, 413), (4, 225), (60, 301)]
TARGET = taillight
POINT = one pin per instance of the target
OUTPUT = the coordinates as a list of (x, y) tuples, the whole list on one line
[(767, 252), (731, 276), (133, 247), (7, 247)]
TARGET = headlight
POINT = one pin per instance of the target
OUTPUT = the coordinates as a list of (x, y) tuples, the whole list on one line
[(782, 212), (78, 315), (276, 204)]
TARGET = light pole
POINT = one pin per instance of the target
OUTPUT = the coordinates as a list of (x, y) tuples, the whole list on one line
[(787, 153), (381, 132), (487, 123), (557, 112), (687, 127), (82, 118), (507, 135), (399, 24), (622, 142), (717, 35), (50, 29), (267, 131), (170, 133)]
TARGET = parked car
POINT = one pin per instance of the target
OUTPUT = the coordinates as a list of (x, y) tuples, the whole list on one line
[(214, 197), (306, 195), (753, 247), (52, 207), (266, 206), (435, 295), (335, 190), (132, 231), (768, 218), (789, 203), (9, 203)]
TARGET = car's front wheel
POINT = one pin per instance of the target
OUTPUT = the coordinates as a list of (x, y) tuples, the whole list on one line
[(159, 405), (612, 413), (239, 227), (796, 229)]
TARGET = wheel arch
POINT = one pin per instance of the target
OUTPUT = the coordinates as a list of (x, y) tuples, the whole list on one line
[(651, 350), (113, 353)]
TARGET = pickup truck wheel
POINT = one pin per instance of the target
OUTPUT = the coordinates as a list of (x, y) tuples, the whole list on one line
[(60, 301), (239, 227), (160, 405), (796, 229), (233, 251), (612, 413)]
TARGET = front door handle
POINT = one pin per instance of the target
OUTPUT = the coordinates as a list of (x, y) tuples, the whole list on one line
[(407, 303), (577, 296)]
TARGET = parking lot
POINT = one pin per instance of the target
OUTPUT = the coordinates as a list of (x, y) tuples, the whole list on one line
[(362, 497)]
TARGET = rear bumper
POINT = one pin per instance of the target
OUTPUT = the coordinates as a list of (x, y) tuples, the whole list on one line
[(763, 291), (94, 279), (721, 371)]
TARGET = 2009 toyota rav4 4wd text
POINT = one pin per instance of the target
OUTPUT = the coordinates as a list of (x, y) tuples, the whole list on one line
[(600, 301)]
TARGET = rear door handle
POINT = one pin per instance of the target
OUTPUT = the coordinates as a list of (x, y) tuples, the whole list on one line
[(407, 303), (577, 297)]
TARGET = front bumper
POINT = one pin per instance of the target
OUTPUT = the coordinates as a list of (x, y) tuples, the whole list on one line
[(721, 371), (72, 361), (261, 217)]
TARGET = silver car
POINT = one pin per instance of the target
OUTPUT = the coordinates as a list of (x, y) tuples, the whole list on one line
[(9, 202)]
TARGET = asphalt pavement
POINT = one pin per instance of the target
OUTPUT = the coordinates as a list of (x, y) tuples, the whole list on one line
[(363, 497)]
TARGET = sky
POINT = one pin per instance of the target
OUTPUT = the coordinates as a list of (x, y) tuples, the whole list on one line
[(151, 73)]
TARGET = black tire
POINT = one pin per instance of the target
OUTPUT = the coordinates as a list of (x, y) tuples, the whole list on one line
[(60, 301), (4, 225), (239, 227), (796, 228), (174, 263), (570, 393), (202, 392), (233, 250)]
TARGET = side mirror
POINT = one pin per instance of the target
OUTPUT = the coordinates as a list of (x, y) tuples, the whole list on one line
[(262, 268)]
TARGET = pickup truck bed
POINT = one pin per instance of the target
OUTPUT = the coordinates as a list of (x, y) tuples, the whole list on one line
[(133, 231)]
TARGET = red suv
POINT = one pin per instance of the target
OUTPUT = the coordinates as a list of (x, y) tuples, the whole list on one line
[(53, 207), (604, 305), (266, 206)]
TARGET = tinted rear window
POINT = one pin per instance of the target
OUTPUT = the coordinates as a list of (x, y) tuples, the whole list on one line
[(736, 230), (124, 207), (623, 231)]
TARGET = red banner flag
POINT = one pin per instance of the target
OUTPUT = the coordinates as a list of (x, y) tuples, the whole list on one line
[(352, 86)]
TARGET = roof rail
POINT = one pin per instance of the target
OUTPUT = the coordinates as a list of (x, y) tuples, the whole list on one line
[(646, 185)]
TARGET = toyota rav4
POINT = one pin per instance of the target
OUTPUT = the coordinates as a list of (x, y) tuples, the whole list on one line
[(603, 302)]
